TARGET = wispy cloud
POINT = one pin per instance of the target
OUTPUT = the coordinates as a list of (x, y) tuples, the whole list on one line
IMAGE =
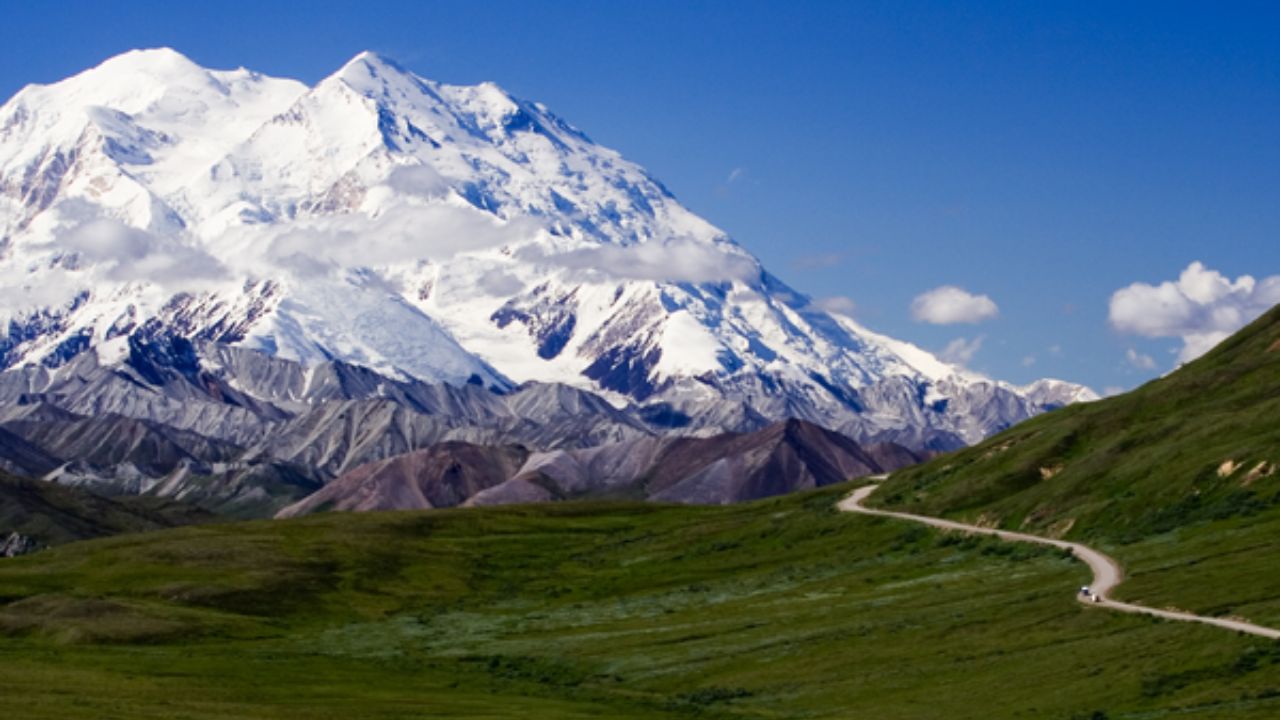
[(406, 232), (838, 304), (1140, 360), (91, 251), (122, 253), (499, 283), (960, 351), (23, 290), (677, 260)]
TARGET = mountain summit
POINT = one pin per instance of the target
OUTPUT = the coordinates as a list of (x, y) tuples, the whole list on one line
[(438, 232)]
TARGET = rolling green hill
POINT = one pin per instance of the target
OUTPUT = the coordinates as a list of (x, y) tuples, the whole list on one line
[(1177, 479), (52, 514), (775, 609)]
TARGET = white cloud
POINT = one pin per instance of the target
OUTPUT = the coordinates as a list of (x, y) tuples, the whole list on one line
[(22, 290), (1140, 360), (1201, 308), (406, 232), (124, 253), (1028, 361), (735, 175), (93, 250), (948, 305), (418, 180), (960, 351), (838, 304), (671, 261), (499, 283)]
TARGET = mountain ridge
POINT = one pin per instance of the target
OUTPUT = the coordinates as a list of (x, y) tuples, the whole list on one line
[(726, 468)]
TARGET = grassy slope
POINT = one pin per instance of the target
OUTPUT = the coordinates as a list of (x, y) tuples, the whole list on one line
[(54, 514), (782, 608), (1138, 475)]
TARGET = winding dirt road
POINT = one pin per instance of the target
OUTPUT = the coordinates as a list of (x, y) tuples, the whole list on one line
[(1106, 571)]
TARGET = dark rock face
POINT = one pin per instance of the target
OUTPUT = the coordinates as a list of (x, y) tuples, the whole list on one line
[(15, 545), (169, 354), (21, 457), (37, 325), (626, 370), (549, 319)]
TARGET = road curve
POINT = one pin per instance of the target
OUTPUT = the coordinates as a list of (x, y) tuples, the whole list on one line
[(1106, 571)]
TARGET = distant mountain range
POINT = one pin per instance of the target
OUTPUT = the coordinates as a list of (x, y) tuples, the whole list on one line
[(731, 467), (233, 289), (242, 433)]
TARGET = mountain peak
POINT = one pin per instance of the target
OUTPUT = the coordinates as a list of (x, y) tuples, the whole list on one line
[(161, 62), (127, 82), (382, 79), (369, 67), (367, 59)]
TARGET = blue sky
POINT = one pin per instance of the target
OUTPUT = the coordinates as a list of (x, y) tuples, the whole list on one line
[(1044, 155)]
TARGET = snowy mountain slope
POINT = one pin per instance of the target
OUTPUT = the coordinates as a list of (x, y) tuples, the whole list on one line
[(123, 137), (446, 233)]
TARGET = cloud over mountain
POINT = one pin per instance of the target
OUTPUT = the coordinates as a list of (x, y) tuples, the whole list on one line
[(127, 253), (961, 350), (839, 304), (677, 260)]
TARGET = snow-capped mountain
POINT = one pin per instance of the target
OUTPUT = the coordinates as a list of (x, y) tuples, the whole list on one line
[(445, 233)]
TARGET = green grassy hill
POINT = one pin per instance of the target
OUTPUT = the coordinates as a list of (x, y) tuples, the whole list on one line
[(52, 514), (1177, 479), (776, 609)]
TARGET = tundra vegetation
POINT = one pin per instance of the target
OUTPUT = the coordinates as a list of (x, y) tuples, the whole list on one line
[(777, 608)]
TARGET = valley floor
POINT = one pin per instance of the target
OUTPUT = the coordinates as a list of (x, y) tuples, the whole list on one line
[(782, 608)]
